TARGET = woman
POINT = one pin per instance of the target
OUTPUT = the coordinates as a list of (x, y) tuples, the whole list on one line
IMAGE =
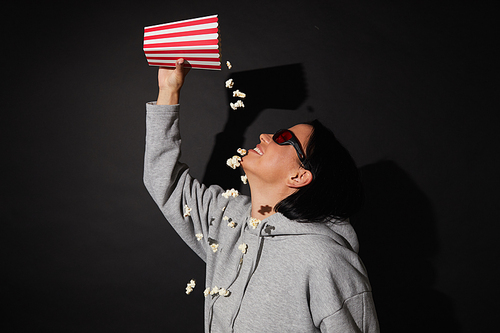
[(284, 259)]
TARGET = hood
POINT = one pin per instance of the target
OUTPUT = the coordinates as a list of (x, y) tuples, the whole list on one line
[(277, 225)]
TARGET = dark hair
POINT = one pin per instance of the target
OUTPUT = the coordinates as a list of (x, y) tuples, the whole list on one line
[(335, 191)]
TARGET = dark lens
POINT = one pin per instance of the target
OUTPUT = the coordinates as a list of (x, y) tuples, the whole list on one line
[(282, 136)]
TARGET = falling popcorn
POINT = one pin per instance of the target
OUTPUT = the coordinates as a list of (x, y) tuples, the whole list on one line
[(199, 236), (223, 292), (254, 222), (187, 211), (226, 218), (214, 246), (232, 224), (243, 248), (244, 179), (190, 286), (229, 83), (238, 104), (233, 162), (206, 292), (215, 290), (192, 283), (230, 193), (242, 151), (228, 64), (238, 93)]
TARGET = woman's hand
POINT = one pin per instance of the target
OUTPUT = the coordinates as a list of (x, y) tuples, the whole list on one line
[(170, 81)]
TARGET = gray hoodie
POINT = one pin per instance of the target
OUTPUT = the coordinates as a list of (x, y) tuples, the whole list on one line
[(274, 276)]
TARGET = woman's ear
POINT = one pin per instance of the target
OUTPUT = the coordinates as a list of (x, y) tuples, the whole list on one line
[(302, 178)]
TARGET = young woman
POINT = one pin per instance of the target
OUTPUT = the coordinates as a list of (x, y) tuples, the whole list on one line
[(284, 259)]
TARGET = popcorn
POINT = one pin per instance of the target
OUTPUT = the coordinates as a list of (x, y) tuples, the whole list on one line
[(224, 292), (254, 222), (225, 218), (233, 162), (244, 179), (187, 211), (190, 286), (228, 64), (216, 290), (238, 104), (238, 93), (229, 83), (232, 224), (214, 246), (243, 248), (242, 151), (230, 193), (199, 236)]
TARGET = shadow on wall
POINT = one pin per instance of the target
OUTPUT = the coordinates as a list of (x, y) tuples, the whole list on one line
[(398, 238), (281, 87)]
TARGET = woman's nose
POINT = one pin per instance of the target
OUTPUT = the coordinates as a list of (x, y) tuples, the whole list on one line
[(265, 138)]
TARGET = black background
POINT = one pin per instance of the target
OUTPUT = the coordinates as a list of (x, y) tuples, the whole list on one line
[(409, 87)]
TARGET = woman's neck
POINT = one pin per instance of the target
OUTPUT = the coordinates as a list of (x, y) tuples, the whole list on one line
[(264, 199)]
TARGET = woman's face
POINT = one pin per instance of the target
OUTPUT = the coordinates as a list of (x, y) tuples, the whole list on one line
[(273, 163)]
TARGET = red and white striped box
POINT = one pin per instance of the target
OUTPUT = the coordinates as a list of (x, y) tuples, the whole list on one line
[(196, 40)]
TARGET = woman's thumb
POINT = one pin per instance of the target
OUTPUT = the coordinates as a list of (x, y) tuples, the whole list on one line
[(179, 64)]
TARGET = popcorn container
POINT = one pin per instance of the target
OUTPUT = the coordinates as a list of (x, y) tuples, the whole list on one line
[(195, 40)]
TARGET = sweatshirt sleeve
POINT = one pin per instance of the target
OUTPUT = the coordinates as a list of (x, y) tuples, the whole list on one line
[(357, 315), (186, 204)]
